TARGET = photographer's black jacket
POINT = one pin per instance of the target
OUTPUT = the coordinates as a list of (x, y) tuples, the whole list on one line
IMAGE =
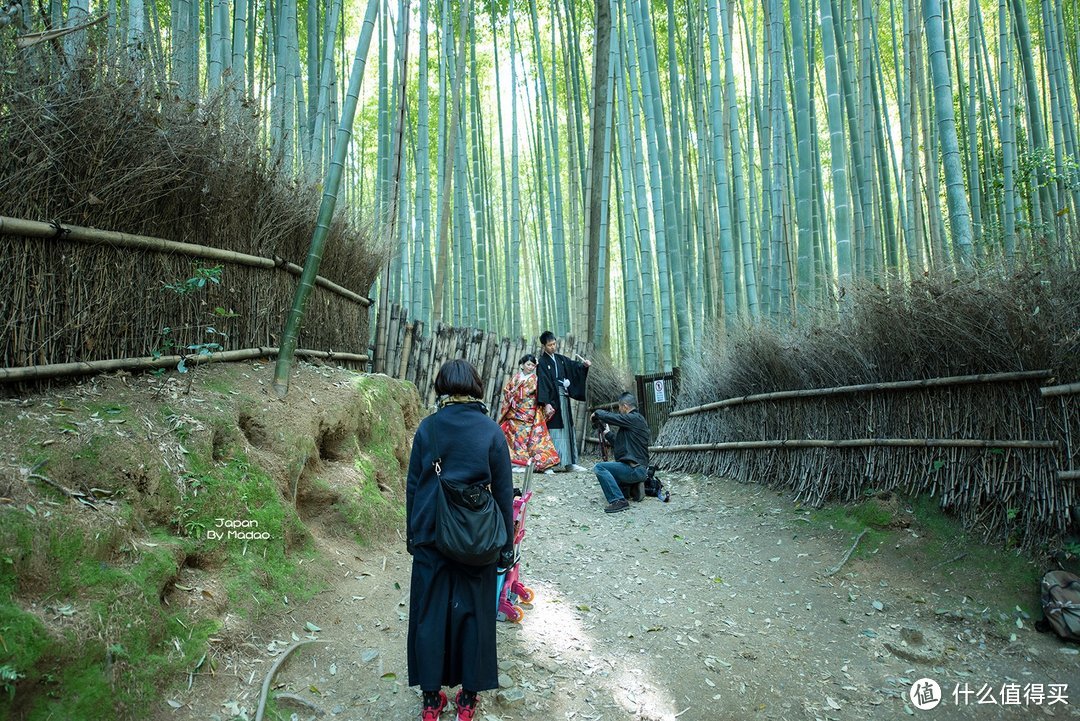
[(631, 443)]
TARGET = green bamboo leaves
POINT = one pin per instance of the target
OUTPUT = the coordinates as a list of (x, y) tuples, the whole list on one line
[(725, 162)]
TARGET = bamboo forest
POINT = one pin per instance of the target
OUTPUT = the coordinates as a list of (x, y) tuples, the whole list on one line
[(769, 308), (639, 173)]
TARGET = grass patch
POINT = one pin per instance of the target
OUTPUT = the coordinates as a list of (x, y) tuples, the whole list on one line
[(218, 385), (370, 513), (98, 643), (995, 578), (84, 630), (258, 536), (915, 536), (108, 645), (873, 516)]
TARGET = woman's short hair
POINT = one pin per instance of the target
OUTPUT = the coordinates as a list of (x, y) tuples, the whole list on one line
[(527, 358), (546, 337), (458, 378)]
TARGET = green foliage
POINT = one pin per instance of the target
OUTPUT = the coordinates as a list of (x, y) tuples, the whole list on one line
[(101, 579), (872, 514), (365, 509), (8, 677), (914, 535), (993, 577), (167, 341), (101, 642), (261, 570), (198, 282), (95, 575)]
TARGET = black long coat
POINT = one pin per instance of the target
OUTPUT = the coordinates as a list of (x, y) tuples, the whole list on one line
[(549, 374), (452, 606)]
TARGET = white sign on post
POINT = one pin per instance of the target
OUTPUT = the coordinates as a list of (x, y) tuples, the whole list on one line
[(658, 390)]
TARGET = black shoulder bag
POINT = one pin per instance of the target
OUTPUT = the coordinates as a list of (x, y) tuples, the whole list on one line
[(468, 525)]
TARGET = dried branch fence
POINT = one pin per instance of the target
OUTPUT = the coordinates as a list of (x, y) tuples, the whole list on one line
[(79, 300), (996, 449)]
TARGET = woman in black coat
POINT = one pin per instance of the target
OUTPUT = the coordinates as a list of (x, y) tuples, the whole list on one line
[(452, 606)]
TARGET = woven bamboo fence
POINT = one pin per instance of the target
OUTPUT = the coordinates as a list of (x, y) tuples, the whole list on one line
[(992, 448), (74, 298)]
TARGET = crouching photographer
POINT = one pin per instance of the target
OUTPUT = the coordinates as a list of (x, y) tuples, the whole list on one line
[(630, 448)]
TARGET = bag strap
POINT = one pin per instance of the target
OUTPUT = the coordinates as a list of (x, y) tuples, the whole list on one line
[(437, 463)]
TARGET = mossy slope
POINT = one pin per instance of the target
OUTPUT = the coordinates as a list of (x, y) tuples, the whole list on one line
[(95, 622)]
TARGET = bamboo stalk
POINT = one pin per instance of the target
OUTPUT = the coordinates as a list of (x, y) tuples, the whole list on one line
[(857, 443), (406, 350), (1068, 389), (1068, 475), (889, 386), (93, 236), (60, 370), (332, 355)]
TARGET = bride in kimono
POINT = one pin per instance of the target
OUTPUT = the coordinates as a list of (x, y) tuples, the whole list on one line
[(523, 422)]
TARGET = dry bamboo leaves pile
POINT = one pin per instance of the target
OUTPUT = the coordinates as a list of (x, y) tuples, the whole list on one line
[(935, 328), (96, 155)]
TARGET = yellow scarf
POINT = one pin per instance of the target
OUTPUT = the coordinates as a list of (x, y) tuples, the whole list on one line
[(445, 401)]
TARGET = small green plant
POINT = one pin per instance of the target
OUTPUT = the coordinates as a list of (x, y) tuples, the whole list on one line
[(202, 277), (184, 521), (201, 351), (166, 344), (8, 677)]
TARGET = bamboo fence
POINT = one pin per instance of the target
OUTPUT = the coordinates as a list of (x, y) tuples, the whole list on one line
[(996, 449), (73, 298)]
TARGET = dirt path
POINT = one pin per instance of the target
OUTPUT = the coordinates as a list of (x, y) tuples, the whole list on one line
[(717, 605)]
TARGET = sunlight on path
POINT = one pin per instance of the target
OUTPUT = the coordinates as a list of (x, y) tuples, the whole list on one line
[(552, 628)]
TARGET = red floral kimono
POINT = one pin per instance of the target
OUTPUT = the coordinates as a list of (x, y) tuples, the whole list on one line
[(522, 422)]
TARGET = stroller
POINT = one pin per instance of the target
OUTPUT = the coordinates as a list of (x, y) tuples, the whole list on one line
[(511, 589)]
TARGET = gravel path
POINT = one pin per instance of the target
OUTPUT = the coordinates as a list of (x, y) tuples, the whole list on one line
[(717, 605)]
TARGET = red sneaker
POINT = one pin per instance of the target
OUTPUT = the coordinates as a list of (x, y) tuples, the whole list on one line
[(465, 713), (432, 713)]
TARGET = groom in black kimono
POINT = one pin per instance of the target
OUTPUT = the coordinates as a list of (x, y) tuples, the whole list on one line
[(558, 380)]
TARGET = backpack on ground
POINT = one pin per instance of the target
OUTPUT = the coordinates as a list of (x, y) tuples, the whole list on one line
[(654, 488), (1061, 605)]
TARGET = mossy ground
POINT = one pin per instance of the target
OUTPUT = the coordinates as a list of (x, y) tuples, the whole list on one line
[(91, 623), (997, 581)]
